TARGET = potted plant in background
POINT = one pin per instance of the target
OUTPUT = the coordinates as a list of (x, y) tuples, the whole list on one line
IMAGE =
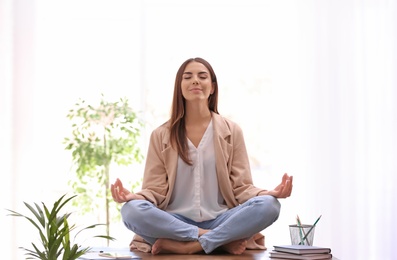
[(101, 135), (54, 231)]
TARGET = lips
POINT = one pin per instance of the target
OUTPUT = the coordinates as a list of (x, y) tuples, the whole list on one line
[(196, 89)]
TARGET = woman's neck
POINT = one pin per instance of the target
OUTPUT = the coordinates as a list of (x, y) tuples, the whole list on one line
[(199, 114)]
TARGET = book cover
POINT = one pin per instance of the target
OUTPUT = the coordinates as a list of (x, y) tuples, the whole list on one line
[(280, 255), (302, 249)]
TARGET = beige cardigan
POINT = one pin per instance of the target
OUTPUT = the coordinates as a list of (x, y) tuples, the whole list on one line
[(232, 166)]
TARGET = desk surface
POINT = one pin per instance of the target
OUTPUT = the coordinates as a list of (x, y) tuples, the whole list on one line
[(248, 254)]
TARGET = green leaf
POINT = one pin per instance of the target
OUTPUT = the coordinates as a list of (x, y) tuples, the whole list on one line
[(101, 134), (54, 232)]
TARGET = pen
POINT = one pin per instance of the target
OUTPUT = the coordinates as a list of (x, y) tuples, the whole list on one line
[(310, 230)]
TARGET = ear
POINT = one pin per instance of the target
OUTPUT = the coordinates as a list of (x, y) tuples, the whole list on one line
[(213, 88)]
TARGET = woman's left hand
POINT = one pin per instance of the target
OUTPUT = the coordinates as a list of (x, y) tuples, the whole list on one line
[(283, 190)]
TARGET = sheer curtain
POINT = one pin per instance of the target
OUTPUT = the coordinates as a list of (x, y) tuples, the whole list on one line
[(6, 72), (312, 83)]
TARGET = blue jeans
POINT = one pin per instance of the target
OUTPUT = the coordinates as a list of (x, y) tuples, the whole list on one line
[(241, 222)]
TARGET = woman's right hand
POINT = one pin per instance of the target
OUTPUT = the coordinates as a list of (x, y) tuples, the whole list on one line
[(121, 194)]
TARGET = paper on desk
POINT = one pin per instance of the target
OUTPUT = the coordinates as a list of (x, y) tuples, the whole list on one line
[(112, 255)]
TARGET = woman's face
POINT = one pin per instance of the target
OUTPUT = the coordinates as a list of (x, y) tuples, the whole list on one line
[(196, 82)]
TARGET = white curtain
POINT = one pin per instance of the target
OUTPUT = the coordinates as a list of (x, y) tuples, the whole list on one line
[(312, 83)]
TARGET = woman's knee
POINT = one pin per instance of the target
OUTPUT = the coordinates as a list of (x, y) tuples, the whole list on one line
[(270, 206), (134, 209)]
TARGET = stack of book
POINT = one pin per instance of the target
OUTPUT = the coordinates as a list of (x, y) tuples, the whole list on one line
[(301, 252)]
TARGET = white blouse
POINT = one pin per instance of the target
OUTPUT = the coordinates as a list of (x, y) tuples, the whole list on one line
[(196, 193)]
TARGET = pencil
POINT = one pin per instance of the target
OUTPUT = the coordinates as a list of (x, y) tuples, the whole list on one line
[(301, 229), (310, 230)]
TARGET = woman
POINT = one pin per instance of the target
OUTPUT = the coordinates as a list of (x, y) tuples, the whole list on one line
[(197, 191)]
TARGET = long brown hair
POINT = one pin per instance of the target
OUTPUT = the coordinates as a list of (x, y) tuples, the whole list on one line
[(177, 120)]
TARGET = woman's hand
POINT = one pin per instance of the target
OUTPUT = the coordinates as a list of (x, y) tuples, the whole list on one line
[(121, 194), (283, 190)]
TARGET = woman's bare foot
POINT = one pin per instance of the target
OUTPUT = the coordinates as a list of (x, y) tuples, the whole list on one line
[(236, 247), (169, 246), (202, 231)]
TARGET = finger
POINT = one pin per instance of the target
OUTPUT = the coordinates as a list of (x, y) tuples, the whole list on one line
[(280, 191), (116, 192), (120, 184), (285, 177), (288, 184), (289, 188), (285, 189), (115, 195)]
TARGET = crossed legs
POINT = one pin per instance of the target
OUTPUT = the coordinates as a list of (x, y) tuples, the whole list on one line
[(168, 233)]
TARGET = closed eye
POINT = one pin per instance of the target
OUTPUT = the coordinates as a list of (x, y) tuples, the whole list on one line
[(202, 75)]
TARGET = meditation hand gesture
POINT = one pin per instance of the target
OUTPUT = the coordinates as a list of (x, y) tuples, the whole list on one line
[(121, 194), (283, 190)]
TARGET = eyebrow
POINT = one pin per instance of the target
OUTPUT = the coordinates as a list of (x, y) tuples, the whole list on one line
[(201, 72)]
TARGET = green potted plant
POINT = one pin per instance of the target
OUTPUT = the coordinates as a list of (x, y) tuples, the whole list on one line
[(102, 135), (54, 231)]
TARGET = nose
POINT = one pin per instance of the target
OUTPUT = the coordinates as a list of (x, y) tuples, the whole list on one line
[(195, 80)]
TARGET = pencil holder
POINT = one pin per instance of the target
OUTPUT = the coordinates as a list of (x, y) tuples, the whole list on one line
[(302, 235)]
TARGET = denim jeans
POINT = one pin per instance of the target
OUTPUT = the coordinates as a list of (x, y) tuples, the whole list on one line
[(240, 222)]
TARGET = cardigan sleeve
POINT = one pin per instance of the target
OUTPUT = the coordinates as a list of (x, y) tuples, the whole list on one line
[(239, 168), (154, 184)]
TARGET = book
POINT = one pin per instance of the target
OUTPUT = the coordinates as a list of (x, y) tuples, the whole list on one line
[(280, 255), (302, 249)]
